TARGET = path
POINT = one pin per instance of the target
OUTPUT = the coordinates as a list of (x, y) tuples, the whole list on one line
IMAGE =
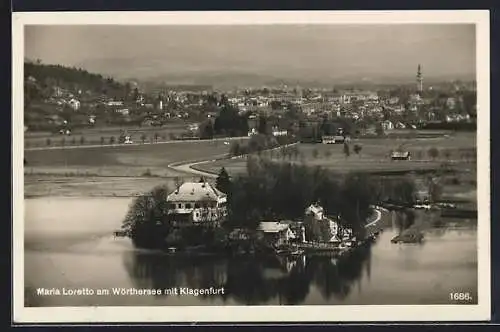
[(377, 218), (187, 166), (133, 144)]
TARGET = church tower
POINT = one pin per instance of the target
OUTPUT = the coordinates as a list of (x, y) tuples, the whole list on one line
[(420, 79)]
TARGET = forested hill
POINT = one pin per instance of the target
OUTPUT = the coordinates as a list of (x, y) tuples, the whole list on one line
[(46, 77)]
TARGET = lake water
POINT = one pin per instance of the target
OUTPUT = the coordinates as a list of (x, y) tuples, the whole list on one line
[(68, 245)]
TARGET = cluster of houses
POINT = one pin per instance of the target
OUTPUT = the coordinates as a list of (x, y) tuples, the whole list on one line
[(200, 203)]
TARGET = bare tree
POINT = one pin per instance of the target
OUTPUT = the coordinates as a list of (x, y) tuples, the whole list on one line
[(357, 149), (347, 150), (433, 153)]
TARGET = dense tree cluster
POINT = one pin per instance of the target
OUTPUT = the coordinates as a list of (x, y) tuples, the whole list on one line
[(146, 220), (259, 143), (281, 190), (273, 190), (229, 122)]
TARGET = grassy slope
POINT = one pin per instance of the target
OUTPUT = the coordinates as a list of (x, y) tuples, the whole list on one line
[(110, 171), (373, 157)]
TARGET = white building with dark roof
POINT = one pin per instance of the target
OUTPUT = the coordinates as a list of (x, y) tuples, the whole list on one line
[(276, 232), (197, 203)]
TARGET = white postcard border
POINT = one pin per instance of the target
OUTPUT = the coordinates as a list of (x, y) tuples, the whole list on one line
[(334, 313)]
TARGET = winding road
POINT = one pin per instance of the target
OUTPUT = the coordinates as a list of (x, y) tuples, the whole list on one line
[(187, 166)]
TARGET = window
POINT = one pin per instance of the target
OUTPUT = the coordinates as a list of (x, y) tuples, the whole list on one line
[(196, 205), (188, 205), (179, 206)]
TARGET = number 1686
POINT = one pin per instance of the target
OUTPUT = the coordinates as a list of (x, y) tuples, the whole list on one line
[(460, 297)]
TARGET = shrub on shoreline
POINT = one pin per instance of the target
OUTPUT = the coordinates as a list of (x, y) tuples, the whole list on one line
[(146, 220)]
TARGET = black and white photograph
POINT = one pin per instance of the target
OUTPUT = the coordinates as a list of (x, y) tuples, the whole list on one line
[(247, 166)]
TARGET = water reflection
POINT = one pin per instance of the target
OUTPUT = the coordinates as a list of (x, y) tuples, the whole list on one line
[(253, 280)]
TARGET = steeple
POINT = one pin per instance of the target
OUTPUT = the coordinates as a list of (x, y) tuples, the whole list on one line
[(420, 79)]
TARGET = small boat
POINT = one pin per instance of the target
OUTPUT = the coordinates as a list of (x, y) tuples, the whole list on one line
[(297, 252), (172, 249), (120, 233)]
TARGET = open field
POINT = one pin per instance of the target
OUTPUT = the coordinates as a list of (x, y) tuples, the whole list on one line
[(92, 186), (111, 171), (94, 135), (125, 156), (458, 150), (120, 159)]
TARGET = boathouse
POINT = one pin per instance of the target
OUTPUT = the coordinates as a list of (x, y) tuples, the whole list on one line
[(275, 232)]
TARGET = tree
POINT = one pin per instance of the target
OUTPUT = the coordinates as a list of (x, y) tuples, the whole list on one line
[(347, 150), (235, 149), (82, 140), (447, 154), (156, 136), (73, 140), (143, 138), (223, 182), (102, 140), (433, 153), (435, 189), (296, 152), (315, 153), (112, 140), (262, 125), (379, 130), (63, 141), (206, 130), (357, 148), (49, 142), (147, 221)]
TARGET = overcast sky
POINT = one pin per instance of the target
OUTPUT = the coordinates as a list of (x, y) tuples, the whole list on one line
[(311, 51)]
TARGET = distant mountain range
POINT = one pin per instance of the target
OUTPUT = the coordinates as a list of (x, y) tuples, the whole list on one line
[(156, 71)]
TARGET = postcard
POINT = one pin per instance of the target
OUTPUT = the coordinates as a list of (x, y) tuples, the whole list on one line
[(251, 166)]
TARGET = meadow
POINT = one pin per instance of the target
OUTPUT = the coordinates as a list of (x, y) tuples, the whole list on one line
[(94, 136), (120, 160), (458, 149)]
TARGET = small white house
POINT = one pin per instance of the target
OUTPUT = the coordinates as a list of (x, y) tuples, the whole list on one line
[(74, 104), (278, 132), (387, 125), (252, 132), (316, 211), (276, 232)]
